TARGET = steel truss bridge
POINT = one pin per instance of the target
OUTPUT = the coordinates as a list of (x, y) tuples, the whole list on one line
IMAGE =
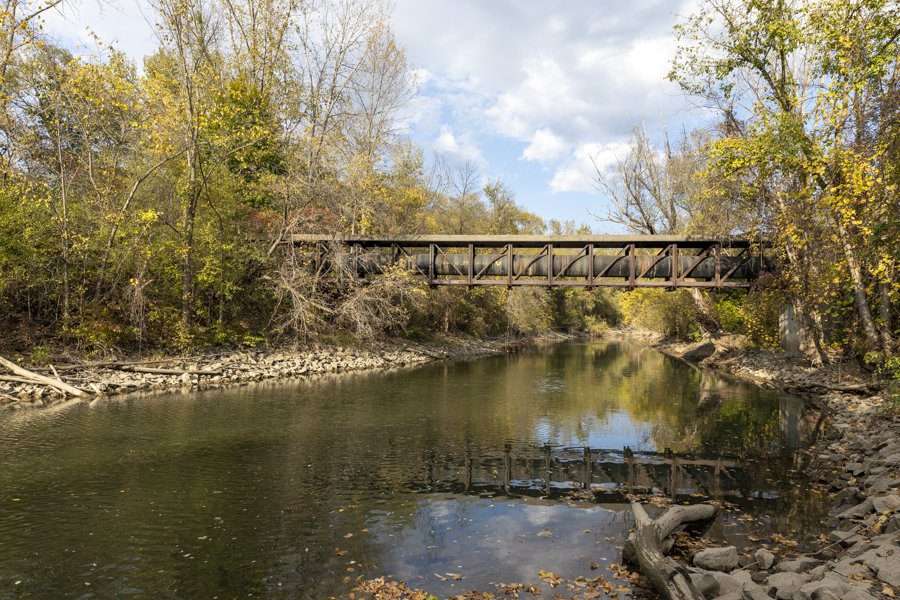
[(636, 261)]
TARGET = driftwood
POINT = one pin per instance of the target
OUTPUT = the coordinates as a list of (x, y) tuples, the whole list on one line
[(37, 379), (648, 544)]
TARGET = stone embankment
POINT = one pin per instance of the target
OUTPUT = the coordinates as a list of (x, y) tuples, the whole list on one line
[(233, 368), (856, 458)]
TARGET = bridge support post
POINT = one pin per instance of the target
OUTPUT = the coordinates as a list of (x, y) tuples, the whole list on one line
[(789, 329)]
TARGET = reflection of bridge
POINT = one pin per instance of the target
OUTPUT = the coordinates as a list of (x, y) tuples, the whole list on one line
[(550, 261), (607, 474)]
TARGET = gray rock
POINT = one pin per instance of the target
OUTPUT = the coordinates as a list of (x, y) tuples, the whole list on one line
[(730, 596), (717, 559), (785, 584), (803, 563), (764, 558), (884, 561), (859, 511), (831, 583), (856, 595), (883, 504), (755, 594), (893, 460), (728, 584), (825, 594), (706, 584)]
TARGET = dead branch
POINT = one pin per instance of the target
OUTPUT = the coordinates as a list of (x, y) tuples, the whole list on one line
[(35, 378)]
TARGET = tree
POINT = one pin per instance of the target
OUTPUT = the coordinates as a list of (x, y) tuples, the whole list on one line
[(793, 89)]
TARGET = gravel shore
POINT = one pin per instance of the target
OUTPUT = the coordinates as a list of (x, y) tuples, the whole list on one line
[(243, 367), (856, 457)]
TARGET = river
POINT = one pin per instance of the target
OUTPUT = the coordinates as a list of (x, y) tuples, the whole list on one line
[(296, 490)]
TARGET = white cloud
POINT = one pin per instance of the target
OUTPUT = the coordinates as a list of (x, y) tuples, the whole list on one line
[(545, 146), (459, 148), (579, 172)]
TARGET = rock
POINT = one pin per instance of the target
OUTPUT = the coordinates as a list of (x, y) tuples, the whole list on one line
[(803, 563), (699, 351), (830, 584), (785, 584), (883, 504), (755, 594), (893, 525), (855, 595), (846, 538), (859, 511), (717, 559), (730, 596), (706, 584), (728, 584), (764, 558), (884, 561), (893, 460)]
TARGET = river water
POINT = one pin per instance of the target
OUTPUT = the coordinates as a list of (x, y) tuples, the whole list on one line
[(296, 490)]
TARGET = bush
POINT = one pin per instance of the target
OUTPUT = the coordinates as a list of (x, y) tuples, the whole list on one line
[(671, 313)]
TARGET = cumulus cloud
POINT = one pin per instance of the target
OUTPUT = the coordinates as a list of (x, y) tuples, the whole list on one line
[(459, 148), (579, 172), (587, 71), (545, 146)]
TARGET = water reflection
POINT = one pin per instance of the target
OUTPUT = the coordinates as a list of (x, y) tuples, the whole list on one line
[(297, 490)]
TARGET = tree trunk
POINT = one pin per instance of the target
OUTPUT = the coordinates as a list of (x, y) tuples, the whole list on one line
[(887, 338), (644, 547), (187, 227), (859, 288), (64, 209), (707, 317)]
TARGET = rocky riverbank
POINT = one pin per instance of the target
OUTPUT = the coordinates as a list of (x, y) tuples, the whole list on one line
[(111, 378), (856, 457)]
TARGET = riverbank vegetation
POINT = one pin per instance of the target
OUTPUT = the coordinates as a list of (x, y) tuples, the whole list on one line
[(146, 206)]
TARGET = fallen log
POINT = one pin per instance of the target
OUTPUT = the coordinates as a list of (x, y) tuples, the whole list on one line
[(646, 547), (35, 378)]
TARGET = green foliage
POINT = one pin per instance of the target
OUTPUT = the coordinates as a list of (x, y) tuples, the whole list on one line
[(754, 314), (671, 313)]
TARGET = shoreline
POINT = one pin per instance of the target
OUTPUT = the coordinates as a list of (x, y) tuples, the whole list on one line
[(241, 367), (855, 458)]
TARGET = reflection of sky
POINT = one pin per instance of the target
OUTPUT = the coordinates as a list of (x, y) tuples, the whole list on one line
[(612, 432), (490, 541)]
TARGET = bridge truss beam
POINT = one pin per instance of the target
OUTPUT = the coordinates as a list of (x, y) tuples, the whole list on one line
[(557, 261)]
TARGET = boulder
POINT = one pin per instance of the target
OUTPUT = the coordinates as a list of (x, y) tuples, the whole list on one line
[(883, 504), (802, 563), (859, 511), (717, 559), (764, 558), (785, 584), (884, 561), (706, 584)]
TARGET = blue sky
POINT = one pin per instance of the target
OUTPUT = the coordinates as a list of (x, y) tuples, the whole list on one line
[(533, 92)]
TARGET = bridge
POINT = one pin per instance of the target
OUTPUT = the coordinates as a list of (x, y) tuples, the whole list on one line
[(635, 261)]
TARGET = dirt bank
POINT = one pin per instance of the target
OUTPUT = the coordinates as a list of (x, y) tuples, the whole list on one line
[(129, 375)]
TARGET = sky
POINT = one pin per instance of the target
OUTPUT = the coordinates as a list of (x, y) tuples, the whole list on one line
[(534, 93)]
